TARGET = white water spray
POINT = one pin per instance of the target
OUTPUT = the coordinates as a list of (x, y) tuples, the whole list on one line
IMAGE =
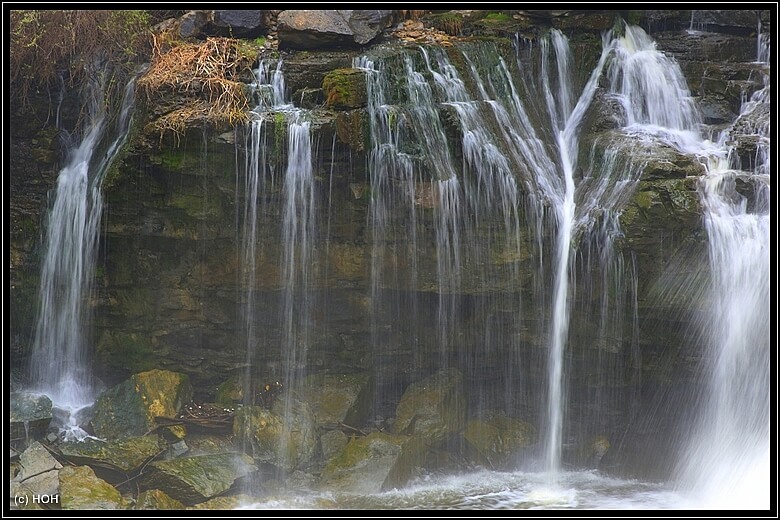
[(60, 353)]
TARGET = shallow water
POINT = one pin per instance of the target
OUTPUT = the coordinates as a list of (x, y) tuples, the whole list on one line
[(500, 490)]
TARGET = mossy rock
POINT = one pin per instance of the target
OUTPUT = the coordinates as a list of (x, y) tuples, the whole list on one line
[(129, 409), (126, 351), (206, 444), (197, 479), (268, 440), (37, 473), (592, 451), (334, 399), (377, 462), (352, 129), (230, 392), (80, 488), (345, 88), (497, 440), (433, 408), (449, 22), (156, 499), (223, 503), (123, 455)]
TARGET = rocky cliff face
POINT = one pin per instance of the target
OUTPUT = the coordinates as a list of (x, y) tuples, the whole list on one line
[(169, 292)]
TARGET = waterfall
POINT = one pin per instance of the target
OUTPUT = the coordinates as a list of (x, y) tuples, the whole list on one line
[(298, 240), (726, 460), (475, 188), (275, 119), (60, 352)]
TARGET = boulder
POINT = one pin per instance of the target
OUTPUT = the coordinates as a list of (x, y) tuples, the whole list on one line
[(230, 392), (197, 479), (125, 455), (337, 399), (377, 462), (592, 451), (433, 408), (285, 439), (30, 415), (34, 460), (156, 499), (192, 23), (239, 23), (37, 474), (129, 409), (307, 29), (332, 443), (498, 440), (80, 488)]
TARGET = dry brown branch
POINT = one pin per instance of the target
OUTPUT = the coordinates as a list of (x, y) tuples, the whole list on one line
[(206, 75)]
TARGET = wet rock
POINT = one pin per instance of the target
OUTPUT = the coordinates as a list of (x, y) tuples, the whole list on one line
[(230, 392), (34, 460), (267, 438), (156, 499), (595, 21), (304, 29), (374, 463), (30, 415), (37, 475), (345, 88), (498, 440), (44, 484), (718, 48), (129, 409), (196, 479), (733, 21), (177, 449), (204, 444), (351, 129), (308, 98), (80, 488), (231, 502), (338, 399), (593, 451), (332, 442), (433, 408), (124, 455), (306, 70)]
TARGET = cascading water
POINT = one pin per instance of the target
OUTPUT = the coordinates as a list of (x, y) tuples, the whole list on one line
[(726, 462), (512, 178), (268, 90), (297, 233), (484, 188), (60, 353)]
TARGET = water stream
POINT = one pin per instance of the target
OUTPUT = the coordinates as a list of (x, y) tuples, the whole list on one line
[(61, 352)]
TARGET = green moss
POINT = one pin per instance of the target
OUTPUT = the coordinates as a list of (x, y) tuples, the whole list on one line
[(497, 17), (645, 199), (80, 488), (632, 17), (128, 352), (179, 160), (230, 392), (449, 22), (197, 206), (345, 88)]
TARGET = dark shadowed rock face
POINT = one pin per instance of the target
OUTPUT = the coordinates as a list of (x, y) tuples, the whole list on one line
[(244, 24)]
